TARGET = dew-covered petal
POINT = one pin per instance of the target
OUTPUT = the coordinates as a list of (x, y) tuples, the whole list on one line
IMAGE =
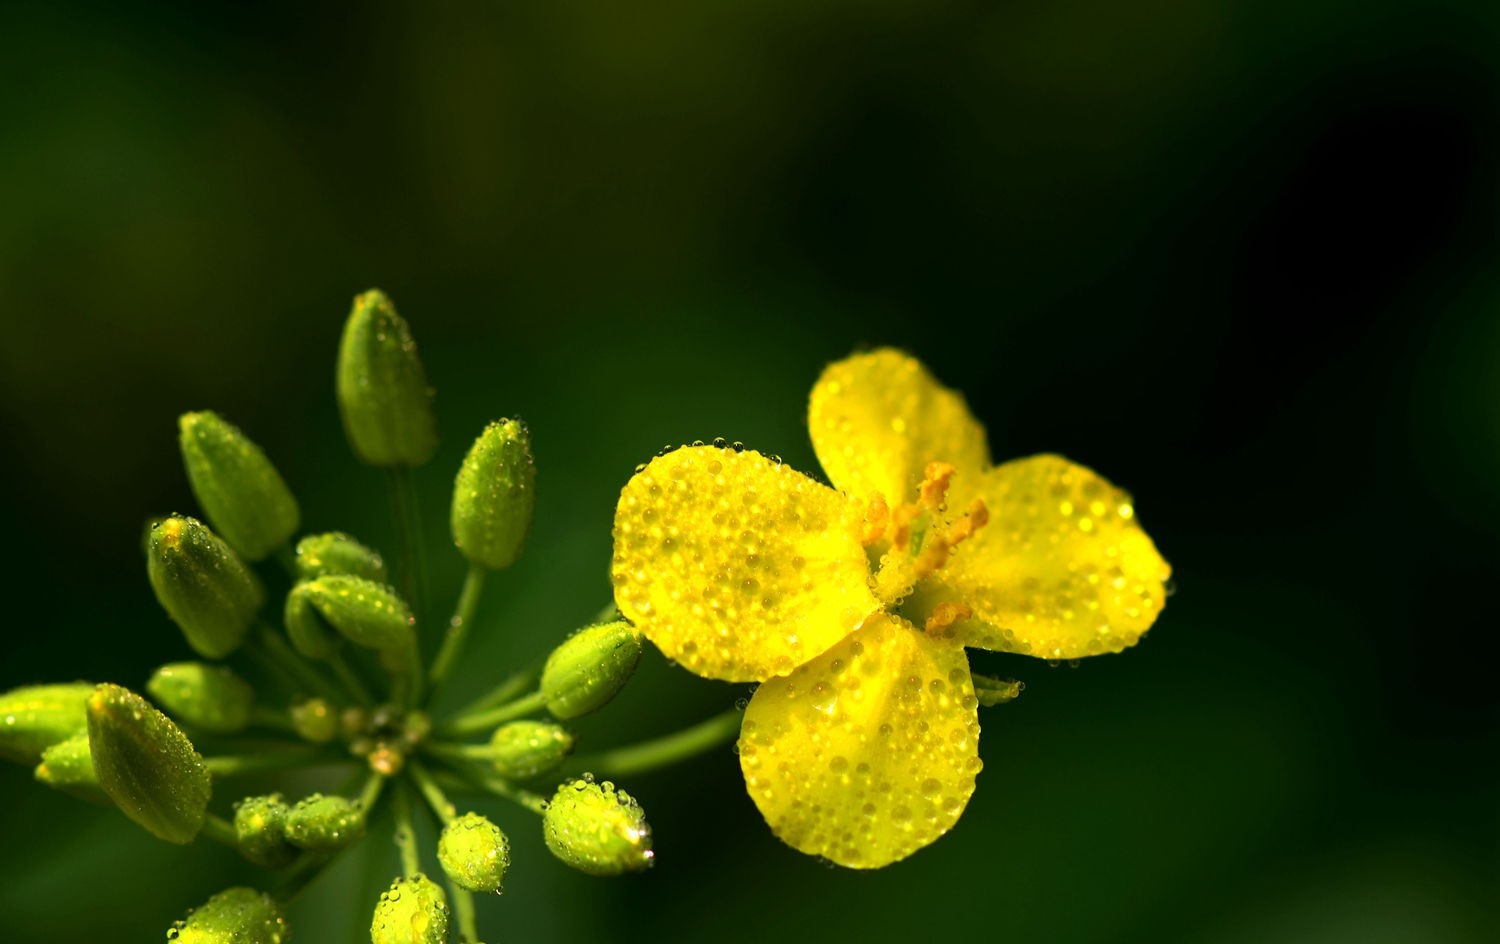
[(868, 753), (736, 566), (1062, 570), (877, 419)]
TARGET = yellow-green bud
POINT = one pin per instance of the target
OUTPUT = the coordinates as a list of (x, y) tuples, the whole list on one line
[(240, 491), (413, 911), (521, 750), (68, 766), (147, 765), (992, 691), (35, 717), (474, 853), (315, 720), (494, 495), (202, 584), (382, 388), (260, 830), (309, 632), (203, 696), (590, 668), (235, 916), (597, 828), (364, 612), (336, 553), (324, 823)]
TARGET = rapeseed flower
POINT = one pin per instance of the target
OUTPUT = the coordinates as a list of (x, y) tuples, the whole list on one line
[(851, 605)]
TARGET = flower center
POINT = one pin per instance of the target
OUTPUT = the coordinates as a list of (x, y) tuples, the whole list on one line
[(913, 540)]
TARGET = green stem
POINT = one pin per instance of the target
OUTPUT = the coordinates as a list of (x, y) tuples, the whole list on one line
[(441, 807), (458, 752), (406, 836), (472, 778), (220, 830), (234, 766), (308, 866), (485, 720), (350, 679), (408, 527), (370, 792), (463, 910), (659, 752), (458, 627), (279, 652), (504, 692)]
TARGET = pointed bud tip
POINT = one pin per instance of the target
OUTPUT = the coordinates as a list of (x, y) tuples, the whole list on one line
[(146, 765), (494, 496), (597, 828), (474, 853), (584, 673)]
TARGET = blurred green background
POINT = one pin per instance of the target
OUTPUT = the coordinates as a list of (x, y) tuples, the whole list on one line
[(1239, 257)]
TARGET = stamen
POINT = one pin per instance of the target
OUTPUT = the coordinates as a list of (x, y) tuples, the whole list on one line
[(934, 484), (933, 556), (964, 528), (901, 520), (877, 516), (945, 615)]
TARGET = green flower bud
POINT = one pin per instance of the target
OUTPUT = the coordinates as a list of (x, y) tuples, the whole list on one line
[(309, 632), (325, 823), (597, 829), (334, 553), (235, 916), (366, 613), (202, 584), (147, 765), (521, 750), (590, 668), (382, 388), (35, 717), (474, 853), (260, 829), (203, 696), (494, 495), (241, 493), (413, 911), (315, 720), (992, 691), (68, 766)]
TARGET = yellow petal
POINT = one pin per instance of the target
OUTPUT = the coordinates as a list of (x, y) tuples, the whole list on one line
[(1062, 570), (736, 566), (877, 419), (868, 753)]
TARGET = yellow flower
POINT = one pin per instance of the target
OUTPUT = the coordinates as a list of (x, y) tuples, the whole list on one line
[(852, 605)]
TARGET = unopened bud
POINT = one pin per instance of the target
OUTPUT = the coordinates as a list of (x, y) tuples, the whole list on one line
[(203, 696), (590, 668), (235, 916), (260, 831), (382, 388), (597, 828), (474, 853), (413, 911), (364, 612), (202, 584), (521, 750), (315, 720), (309, 632), (494, 495), (336, 553), (35, 717), (324, 823), (240, 491), (68, 766), (147, 765)]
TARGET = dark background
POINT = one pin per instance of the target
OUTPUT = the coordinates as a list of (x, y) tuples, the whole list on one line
[(1239, 257)]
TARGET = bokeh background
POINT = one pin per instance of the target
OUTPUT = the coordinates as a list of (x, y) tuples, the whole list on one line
[(1240, 257)]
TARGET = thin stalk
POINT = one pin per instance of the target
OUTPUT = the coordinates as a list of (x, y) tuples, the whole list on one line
[(350, 679), (472, 778), (659, 752), (287, 660), (308, 866), (458, 752), (431, 792), (370, 792), (238, 765), (408, 527), (485, 720), (458, 627), (504, 692), (220, 830), (406, 836)]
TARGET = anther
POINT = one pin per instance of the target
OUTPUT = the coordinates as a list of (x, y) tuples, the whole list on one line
[(945, 615), (934, 484), (964, 528), (877, 516)]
